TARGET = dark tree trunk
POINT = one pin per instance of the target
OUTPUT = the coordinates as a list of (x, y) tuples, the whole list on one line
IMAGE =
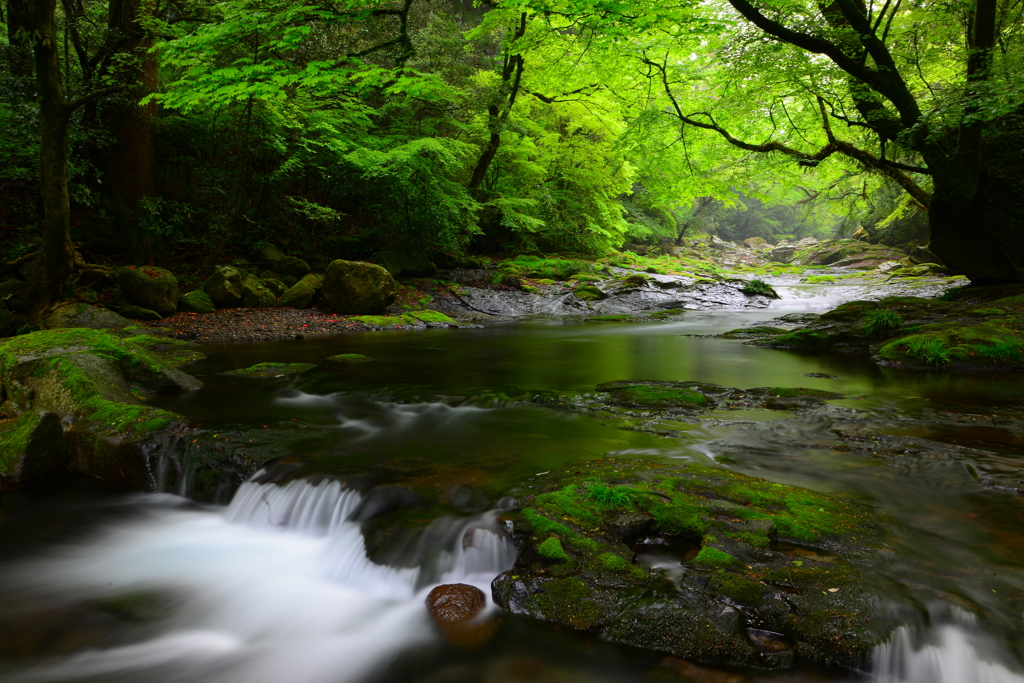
[(130, 171)]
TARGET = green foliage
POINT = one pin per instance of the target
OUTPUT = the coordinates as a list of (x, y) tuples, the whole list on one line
[(552, 549), (880, 321), (759, 287), (611, 496)]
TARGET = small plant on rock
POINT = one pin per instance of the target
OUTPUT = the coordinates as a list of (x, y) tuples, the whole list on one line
[(930, 351), (755, 287), (612, 496), (881, 320)]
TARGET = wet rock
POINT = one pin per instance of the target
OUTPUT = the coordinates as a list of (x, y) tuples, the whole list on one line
[(84, 315), (150, 288), (455, 608), (224, 287), (755, 242), (782, 253), (589, 293), (32, 447), (383, 500), (91, 380), (718, 244), (272, 370), (196, 301), (303, 293), (747, 598), (342, 360), (289, 266), (139, 313), (355, 287), (924, 255), (255, 295)]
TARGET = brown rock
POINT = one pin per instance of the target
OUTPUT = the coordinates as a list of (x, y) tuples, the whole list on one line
[(455, 607)]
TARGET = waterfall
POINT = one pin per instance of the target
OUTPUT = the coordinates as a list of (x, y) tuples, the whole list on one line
[(953, 657), (313, 510)]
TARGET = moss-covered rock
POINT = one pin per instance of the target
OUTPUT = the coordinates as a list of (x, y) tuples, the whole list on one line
[(225, 287), (272, 370), (196, 301), (303, 293), (428, 316), (255, 295), (94, 382), (355, 287), (140, 313), (149, 287), (589, 293), (31, 447), (275, 286), (747, 591), (291, 266), (344, 359), (660, 395), (84, 315)]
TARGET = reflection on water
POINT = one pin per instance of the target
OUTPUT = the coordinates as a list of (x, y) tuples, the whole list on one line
[(278, 585)]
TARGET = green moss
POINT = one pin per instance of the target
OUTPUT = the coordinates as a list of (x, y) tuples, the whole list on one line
[(759, 287), (611, 496), (713, 557), (552, 549), (379, 320), (429, 316), (349, 358), (658, 396), (614, 562), (542, 268), (802, 339), (785, 392), (588, 293), (568, 600), (272, 370), (14, 438), (742, 590), (819, 279)]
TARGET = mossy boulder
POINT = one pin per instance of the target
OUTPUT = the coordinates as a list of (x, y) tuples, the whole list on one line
[(589, 293), (140, 313), (224, 287), (94, 382), (655, 395), (765, 574), (290, 266), (303, 293), (31, 447), (255, 295), (275, 286), (272, 370), (344, 359), (428, 316), (356, 287), (84, 315), (149, 287), (196, 301)]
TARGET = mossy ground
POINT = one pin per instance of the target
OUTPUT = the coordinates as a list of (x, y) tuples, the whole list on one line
[(657, 396), (272, 370)]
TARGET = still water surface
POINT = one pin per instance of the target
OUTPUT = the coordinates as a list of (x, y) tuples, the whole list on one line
[(277, 586)]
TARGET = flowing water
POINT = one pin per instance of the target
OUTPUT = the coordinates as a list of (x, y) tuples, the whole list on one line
[(278, 585)]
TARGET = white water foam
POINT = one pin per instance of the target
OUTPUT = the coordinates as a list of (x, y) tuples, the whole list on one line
[(276, 587), (953, 657)]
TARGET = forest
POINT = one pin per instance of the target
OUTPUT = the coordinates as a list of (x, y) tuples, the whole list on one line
[(157, 132)]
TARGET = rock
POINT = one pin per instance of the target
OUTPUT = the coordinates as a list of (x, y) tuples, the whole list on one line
[(303, 293), (289, 265), (149, 287), (889, 266), (91, 380), (782, 254), (385, 499), (225, 287), (255, 295), (455, 608), (754, 242), (289, 280), (924, 255), (139, 313), (275, 286), (589, 293), (268, 253), (31, 447), (196, 301), (401, 261), (7, 321), (719, 244), (805, 242), (11, 288), (344, 359), (355, 287), (583, 533), (272, 370), (84, 315)]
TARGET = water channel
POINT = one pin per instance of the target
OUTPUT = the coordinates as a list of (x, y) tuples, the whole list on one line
[(277, 586)]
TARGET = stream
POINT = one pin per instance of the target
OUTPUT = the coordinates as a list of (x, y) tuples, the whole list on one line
[(277, 585)]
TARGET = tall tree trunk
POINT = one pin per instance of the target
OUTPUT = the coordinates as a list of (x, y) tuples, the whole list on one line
[(57, 254), (130, 171)]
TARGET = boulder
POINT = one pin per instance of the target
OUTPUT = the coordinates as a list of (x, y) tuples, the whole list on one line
[(275, 286), (719, 244), (782, 253), (805, 242), (401, 261), (289, 265), (303, 293), (149, 287), (90, 381), (355, 287), (225, 287), (84, 315), (455, 608), (196, 301), (924, 255), (754, 242), (889, 266), (255, 295), (140, 313), (267, 253)]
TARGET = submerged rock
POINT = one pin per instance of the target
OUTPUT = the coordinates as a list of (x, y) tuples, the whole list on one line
[(359, 288), (272, 370), (90, 382), (745, 589)]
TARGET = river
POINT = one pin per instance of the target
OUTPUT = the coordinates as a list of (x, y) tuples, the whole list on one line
[(277, 586)]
